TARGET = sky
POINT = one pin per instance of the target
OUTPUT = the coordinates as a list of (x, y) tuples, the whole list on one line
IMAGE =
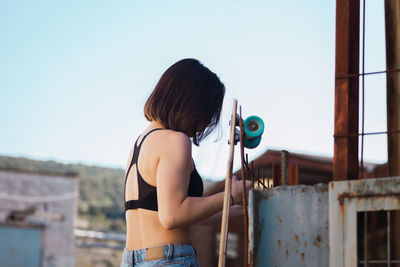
[(74, 75)]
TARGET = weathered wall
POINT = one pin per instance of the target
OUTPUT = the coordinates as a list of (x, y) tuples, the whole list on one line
[(288, 226), (53, 200), (349, 198)]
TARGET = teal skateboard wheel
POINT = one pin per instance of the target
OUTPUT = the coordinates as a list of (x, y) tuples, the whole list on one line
[(253, 127), (249, 143)]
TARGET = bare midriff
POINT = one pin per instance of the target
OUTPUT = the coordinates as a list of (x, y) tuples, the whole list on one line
[(144, 230)]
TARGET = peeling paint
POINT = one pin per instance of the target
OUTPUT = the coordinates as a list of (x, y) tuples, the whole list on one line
[(287, 219)]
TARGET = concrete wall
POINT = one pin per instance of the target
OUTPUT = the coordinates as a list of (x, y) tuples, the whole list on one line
[(46, 201), (288, 226), (347, 199)]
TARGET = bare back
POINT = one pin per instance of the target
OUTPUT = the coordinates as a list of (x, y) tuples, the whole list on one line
[(143, 226)]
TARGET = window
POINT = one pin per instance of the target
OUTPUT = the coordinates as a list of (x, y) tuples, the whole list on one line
[(378, 238), (364, 222)]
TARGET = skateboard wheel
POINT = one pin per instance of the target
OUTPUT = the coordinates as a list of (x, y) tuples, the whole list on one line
[(252, 143), (253, 127)]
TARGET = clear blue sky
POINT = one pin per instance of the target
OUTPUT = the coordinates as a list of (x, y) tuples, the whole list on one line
[(74, 75)]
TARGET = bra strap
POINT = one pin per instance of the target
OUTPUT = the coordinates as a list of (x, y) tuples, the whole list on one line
[(137, 155), (144, 137), (138, 147)]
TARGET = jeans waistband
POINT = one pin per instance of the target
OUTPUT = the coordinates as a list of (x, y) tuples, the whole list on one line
[(170, 251)]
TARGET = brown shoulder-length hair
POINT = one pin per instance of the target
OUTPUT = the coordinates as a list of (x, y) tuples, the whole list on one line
[(188, 98)]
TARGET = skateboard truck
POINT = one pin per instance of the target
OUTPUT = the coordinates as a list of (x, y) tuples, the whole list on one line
[(253, 130)]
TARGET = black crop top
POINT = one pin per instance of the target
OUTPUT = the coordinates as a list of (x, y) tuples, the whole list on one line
[(148, 193)]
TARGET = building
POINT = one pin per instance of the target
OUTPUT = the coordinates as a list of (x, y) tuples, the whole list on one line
[(37, 215), (300, 168)]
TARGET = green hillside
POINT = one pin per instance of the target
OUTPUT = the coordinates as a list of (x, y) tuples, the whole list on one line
[(100, 204), (100, 189)]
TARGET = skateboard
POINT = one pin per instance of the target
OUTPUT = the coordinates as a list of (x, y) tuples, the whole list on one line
[(249, 135)]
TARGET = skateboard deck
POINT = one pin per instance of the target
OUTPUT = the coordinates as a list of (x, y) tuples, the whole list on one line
[(249, 134)]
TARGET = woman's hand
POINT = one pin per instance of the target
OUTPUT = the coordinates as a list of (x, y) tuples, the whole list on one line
[(237, 190)]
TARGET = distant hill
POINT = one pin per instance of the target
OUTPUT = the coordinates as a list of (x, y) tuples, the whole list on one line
[(100, 204), (101, 199)]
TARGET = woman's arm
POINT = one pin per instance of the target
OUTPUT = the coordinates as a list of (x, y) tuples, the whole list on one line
[(234, 212), (175, 208)]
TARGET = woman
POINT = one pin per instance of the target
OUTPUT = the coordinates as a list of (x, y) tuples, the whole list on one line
[(163, 190)]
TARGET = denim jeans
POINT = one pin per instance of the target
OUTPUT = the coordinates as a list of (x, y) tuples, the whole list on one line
[(174, 255)]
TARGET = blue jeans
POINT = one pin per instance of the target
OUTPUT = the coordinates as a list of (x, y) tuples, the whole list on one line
[(174, 255)]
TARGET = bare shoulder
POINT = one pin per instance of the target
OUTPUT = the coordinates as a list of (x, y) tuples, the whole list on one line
[(177, 140), (175, 145)]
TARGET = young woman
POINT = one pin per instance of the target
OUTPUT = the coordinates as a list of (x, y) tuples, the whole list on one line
[(163, 190)]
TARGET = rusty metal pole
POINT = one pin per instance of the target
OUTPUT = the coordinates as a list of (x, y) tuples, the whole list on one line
[(345, 158), (392, 30), (284, 167), (293, 174), (276, 170)]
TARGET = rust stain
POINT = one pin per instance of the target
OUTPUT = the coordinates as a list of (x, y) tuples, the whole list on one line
[(342, 196), (342, 210), (287, 254), (297, 238), (345, 195), (317, 241), (302, 256), (305, 243), (279, 245), (279, 218)]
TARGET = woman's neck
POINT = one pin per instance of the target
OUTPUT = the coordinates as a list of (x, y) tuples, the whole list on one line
[(156, 124)]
